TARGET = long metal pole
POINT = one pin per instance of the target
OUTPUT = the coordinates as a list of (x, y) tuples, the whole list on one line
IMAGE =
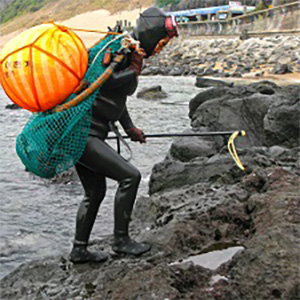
[(165, 135)]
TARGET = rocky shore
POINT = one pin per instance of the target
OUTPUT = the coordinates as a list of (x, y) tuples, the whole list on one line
[(201, 202), (230, 57)]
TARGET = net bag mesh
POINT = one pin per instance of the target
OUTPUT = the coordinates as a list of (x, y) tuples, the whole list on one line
[(51, 143)]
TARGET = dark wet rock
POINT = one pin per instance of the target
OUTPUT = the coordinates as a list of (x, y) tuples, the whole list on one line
[(264, 251), (230, 64), (282, 69), (177, 71), (12, 106), (236, 74), (254, 108), (197, 71), (245, 113), (264, 87), (151, 70), (202, 82), (152, 93), (187, 148), (203, 96), (259, 108), (281, 123)]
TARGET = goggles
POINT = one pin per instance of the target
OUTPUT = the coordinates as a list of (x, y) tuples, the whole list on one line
[(171, 26)]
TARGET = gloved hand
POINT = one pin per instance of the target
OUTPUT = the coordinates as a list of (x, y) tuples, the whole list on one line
[(136, 135), (136, 63)]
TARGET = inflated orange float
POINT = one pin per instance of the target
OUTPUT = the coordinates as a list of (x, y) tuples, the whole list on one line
[(42, 66)]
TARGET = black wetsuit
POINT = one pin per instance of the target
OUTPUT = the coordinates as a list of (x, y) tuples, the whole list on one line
[(99, 160)]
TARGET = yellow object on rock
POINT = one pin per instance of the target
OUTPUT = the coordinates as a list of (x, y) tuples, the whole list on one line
[(41, 67)]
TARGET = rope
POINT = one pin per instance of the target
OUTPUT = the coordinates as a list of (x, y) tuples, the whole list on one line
[(232, 150), (64, 27), (101, 50)]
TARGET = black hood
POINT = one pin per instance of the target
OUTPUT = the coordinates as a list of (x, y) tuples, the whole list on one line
[(150, 29)]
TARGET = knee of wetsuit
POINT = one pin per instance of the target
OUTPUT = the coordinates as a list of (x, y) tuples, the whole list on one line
[(133, 180), (137, 177)]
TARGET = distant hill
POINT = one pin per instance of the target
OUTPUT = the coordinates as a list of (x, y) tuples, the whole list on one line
[(17, 14)]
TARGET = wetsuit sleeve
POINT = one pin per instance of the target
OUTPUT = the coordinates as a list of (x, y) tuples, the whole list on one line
[(125, 120)]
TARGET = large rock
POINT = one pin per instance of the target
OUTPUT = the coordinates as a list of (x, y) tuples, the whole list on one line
[(187, 148), (281, 123), (232, 112), (203, 82), (260, 109), (152, 93)]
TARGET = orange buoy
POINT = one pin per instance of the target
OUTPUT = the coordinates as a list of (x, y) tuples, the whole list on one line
[(41, 67)]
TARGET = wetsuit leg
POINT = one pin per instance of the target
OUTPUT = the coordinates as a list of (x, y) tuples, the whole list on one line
[(94, 185), (101, 159)]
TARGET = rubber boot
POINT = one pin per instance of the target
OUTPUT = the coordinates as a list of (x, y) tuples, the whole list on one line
[(80, 254), (125, 245)]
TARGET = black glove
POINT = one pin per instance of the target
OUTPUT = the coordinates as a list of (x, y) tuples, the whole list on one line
[(136, 135)]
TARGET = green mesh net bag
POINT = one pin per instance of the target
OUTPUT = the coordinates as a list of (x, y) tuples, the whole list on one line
[(52, 142)]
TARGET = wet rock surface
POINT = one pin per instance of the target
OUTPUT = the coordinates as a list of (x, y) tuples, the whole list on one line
[(152, 93), (201, 201)]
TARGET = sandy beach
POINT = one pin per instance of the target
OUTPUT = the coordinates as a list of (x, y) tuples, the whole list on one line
[(99, 20), (94, 20)]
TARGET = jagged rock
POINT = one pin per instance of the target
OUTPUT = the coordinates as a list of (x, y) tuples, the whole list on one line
[(152, 93), (281, 124)]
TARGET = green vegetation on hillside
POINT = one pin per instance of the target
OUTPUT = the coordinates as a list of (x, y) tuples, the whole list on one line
[(162, 3), (19, 7)]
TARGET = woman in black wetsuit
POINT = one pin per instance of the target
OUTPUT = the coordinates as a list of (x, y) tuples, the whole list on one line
[(154, 29)]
